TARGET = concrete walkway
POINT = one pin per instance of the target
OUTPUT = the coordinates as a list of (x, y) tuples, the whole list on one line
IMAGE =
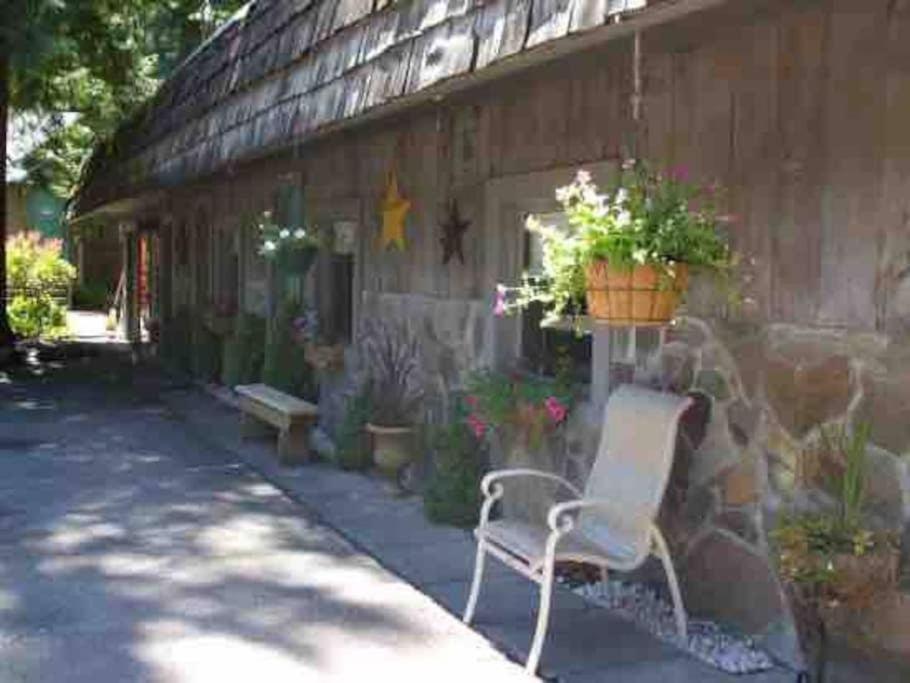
[(585, 643), (134, 547)]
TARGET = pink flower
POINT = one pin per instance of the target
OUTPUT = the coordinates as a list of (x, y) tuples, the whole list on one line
[(471, 401), (499, 307), (680, 173), (477, 426), (556, 410)]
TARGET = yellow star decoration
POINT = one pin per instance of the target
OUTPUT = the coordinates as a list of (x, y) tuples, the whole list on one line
[(394, 210)]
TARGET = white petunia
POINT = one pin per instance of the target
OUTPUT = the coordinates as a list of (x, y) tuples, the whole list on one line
[(284, 234), (269, 246), (299, 233)]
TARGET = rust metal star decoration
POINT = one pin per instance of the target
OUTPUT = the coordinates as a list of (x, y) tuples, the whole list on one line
[(453, 230)]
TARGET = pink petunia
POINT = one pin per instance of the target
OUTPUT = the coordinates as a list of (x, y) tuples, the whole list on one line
[(471, 400), (477, 426), (499, 306), (555, 409)]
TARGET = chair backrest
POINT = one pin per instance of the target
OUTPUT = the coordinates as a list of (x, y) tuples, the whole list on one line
[(632, 469)]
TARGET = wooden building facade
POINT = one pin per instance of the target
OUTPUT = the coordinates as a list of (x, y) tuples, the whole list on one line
[(797, 108)]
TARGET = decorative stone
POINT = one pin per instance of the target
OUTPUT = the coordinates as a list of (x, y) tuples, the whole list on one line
[(884, 493), (740, 522), (747, 348), (713, 383), (727, 579), (804, 396), (716, 453), (688, 332), (676, 368), (739, 485), (886, 407), (743, 419)]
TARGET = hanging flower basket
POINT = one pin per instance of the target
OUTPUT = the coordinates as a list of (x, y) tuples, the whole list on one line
[(641, 295), (295, 261)]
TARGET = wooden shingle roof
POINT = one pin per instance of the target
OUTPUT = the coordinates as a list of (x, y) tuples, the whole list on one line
[(282, 70)]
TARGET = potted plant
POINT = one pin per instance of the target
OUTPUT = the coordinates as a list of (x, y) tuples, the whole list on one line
[(392, 358), (517, 415), (627, 253), (293, 249), (833, 562)]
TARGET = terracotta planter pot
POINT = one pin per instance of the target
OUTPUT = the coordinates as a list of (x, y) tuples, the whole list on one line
[(393, 449), (637, 296)]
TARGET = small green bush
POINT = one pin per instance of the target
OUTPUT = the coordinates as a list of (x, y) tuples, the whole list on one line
[(243, 351), (352, 443), (37, 316), (283, 365), (37, 274), (452, 495)]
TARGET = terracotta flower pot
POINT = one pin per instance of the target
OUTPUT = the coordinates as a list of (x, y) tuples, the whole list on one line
[(393, 449), (638, 296)]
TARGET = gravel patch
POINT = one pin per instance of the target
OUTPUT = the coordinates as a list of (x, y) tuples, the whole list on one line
[(707, 641)]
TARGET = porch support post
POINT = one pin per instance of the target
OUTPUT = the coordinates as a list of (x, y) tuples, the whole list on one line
[(600, 365)]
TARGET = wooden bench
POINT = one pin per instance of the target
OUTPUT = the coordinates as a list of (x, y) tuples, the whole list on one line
[(291, 416)]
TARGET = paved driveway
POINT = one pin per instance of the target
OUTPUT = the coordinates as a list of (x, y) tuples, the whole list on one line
[(131, 550)]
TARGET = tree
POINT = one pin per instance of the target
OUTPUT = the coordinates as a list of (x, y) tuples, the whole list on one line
[(99, 58)]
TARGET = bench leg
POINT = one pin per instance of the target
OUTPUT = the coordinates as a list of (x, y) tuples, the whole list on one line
[(293, 448), (253, 428)]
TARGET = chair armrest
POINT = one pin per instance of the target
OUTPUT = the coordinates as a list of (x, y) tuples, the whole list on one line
[(488, 489), (561, 519)]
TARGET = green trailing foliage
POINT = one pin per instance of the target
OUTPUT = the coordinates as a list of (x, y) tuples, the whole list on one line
[(243, 351), (452, 495), (284, 366), (351, 439)]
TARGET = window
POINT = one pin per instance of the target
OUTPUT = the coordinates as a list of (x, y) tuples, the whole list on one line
[(338, 304), (542, 348)]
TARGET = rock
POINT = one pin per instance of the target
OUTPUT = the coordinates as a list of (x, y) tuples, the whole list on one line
[(884, 492), (693, 425), (886, 407), (804, 395), (716, 453), (741, 522), (727, 579), (748, 352), (713, 383), (687, 331), (743, 420), (739, 485), (675, 368)]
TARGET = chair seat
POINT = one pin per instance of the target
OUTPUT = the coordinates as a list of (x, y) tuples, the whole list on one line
[(529, 541)]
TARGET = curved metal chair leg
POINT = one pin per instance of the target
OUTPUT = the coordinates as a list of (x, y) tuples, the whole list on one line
[(475, 583), (543, 611), (678, 608)]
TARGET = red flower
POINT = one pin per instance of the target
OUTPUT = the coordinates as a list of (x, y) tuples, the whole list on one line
[(477, 426)]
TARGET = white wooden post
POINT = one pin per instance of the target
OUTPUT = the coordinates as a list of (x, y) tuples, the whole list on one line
[(600, 364)]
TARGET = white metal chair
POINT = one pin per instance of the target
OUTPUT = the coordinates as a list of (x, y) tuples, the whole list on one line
[(610, 524)]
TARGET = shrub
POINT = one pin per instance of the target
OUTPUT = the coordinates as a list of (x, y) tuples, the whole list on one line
[(37, 273), (284, 366), (353, 451), (452, 495), (243, 351), (392, 357)]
